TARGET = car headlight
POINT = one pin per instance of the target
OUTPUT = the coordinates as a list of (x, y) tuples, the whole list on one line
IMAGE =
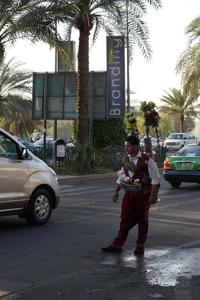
[(53, 172)]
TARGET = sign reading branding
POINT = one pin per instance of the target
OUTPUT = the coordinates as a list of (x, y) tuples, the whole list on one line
[(115, 77)]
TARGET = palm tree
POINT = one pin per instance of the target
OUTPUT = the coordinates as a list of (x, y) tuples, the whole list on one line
[(15, 109), (189, 62), (25, 19), (176, 105), (18, 116), (13, 81), (88, 16)]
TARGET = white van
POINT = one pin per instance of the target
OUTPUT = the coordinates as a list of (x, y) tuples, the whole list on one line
[(177, 140), (28, 187)]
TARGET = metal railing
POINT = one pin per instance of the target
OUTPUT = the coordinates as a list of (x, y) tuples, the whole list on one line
[(99, 161)]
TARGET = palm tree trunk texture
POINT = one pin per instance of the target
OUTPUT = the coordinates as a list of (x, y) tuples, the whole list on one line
[(181, 123), (82, 88), (83, 157)]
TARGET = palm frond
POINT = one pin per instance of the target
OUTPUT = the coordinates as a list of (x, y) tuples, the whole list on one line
[(188, 64), (193, 30), (14, 80)]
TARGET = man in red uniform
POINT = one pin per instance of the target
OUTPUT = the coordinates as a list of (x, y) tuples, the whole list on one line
[(140, 168)]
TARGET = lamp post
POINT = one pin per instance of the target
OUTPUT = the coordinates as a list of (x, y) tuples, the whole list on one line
[(127, 57), (56, 70)]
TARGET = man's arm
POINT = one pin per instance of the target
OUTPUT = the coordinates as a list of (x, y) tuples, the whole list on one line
[(155, 180), (116, 192)]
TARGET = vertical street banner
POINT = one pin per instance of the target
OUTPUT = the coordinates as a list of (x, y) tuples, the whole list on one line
[(115, 77)]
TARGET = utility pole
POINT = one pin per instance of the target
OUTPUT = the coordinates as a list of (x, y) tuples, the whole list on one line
[(56, 70)]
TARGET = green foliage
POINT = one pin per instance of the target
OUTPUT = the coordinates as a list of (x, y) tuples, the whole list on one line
[(14, 80), (189, 62), (25, 19), (166, 126), (18, 118), (147, 106), (108, 133), (151, 116), (15, 104), (130, 123), (176, 105), (171, 124)]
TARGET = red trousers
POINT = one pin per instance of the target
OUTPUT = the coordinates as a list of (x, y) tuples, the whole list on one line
[(134, 210)]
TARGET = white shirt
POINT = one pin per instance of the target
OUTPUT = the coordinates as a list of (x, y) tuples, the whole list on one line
[(152, 169)]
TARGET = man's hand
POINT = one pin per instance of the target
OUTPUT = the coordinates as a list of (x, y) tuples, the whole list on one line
[(116, 193), (115, 196), (152, 200), (153, 194)]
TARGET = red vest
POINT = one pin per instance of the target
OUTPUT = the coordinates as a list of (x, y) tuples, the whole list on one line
[(142, 172)]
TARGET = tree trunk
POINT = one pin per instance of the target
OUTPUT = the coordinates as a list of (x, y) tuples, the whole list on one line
[(181, 123), (82, 88), (15, 130), (84, 155)]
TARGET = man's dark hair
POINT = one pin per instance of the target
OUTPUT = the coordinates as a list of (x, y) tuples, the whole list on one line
[(133, 140)]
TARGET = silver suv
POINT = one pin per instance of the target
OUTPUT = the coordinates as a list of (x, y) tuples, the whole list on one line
[(177, 140), (28, 187)]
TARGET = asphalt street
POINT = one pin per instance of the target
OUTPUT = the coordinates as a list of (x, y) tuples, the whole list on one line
[(63, 259)]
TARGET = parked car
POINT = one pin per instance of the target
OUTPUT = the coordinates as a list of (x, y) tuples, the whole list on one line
[(183, 166), (39, 144), (26, 143), (177, 140), (28, 187), (154, 143)]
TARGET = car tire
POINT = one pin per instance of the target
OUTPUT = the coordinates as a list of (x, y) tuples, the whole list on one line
[(39, 208), (175, 184)]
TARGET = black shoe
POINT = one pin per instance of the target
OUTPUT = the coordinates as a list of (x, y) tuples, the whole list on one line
[(139, 250), (112, 249)]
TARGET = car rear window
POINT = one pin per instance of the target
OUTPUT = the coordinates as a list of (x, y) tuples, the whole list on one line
[(175, 136), (193, 150)]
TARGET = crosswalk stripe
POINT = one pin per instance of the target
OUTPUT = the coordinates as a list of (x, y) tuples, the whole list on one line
[(84, 191)]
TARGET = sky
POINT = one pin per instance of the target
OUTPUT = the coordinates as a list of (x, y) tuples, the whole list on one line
[(148, 80)]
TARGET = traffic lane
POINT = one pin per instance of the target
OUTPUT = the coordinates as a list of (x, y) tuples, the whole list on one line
[(64, 259), (178, 208), (173, 240), (182, 203), (103, 189)]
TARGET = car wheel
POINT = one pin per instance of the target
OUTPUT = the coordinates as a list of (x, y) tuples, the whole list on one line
[(39, 208), (175, 184)]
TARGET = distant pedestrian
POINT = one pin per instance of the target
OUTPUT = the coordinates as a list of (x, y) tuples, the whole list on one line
[(35, 135), (139, 169)]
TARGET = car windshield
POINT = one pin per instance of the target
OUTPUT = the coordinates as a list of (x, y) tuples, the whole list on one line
[(176, 136), (190, 150)]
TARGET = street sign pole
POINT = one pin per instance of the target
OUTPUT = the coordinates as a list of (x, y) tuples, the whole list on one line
[(56, 70), (45, 116)]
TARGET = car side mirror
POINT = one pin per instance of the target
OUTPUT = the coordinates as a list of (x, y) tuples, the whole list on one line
[(23, 153)]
